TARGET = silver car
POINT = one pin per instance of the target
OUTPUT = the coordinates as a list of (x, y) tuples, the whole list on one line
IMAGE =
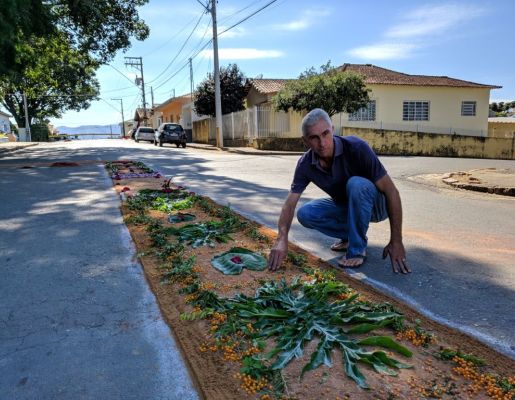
[(144, 133)]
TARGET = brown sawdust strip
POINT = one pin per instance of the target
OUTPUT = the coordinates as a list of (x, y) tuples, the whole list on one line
[(214, 377)]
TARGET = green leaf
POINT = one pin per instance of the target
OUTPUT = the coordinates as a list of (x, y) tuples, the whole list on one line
[(367, 327), (322, 355), (386, 342), (233, 261)]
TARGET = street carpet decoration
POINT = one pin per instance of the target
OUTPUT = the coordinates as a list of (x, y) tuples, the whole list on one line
[(233, 261)]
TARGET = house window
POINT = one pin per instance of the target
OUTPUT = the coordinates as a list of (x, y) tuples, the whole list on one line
[(415, 111), (468, 108), (367, 113)]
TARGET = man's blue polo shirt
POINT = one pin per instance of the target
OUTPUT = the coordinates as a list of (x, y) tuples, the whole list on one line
[(352, 157)]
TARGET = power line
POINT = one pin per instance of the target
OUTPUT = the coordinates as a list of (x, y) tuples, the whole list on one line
[(211, 40), (122, 74), (180, 50), (248, 16), (171, 38)]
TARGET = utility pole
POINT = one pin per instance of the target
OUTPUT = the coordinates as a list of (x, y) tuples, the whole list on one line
[(27, 125), (152, 96), (191, 80), (138, 63), (123, 118), (218, 97)]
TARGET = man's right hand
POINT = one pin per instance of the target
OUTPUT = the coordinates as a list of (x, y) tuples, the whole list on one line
[(277, 255)]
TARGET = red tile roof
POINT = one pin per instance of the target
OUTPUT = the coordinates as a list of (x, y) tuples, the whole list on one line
[(267, 86), (378, 75)]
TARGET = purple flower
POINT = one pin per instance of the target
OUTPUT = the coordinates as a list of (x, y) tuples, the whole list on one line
[(237, 260)]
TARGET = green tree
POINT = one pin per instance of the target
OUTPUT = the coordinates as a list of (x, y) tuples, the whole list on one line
[(97, 27), (232, 90), (494, 107), (56, 78), (330, 89)]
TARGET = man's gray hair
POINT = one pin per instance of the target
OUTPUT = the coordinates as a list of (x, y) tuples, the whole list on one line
[(312, 118)]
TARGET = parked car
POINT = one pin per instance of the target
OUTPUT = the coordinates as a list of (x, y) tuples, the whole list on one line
[(170, 133), (144, 133)]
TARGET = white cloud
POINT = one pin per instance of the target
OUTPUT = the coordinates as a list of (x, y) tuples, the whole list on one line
[(237, 31), (385, 51), (429, 20), (412, 32), (242, 54), (307, 19)]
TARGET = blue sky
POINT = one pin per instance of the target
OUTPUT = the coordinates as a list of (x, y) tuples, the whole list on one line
[(470, 40)]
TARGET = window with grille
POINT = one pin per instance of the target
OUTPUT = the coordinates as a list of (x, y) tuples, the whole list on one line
[(468, 108), (415, 111), (367, 113)]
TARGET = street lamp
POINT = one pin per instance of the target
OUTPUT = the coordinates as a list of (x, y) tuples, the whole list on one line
[(123, 118)]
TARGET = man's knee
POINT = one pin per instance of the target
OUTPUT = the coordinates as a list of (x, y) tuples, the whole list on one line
[(357, 185), (305, 216)]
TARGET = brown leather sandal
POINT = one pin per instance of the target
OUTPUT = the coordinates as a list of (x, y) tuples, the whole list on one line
[(340, 245)]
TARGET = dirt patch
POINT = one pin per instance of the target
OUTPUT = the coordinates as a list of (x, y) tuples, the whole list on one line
[(215, 369)]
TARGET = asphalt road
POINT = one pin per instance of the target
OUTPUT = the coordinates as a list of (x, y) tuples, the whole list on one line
[(461, 245), (77, 318)]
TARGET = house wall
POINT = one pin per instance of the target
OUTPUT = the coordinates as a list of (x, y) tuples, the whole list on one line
[(444, 107), (172, 111), (5, 125), (412, 144), (203, 131), (254, 98), (501, 129)]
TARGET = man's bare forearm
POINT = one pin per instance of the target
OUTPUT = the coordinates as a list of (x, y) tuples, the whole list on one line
[(285, 220), (394, 206), (286, 217)]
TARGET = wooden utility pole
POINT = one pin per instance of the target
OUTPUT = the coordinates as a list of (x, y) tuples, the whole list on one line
[(123, 118), (138, 63)]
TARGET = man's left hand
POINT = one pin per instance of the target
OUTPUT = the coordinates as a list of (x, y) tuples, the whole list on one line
[(397, 257)]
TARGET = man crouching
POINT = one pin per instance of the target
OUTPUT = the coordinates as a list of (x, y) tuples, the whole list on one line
[(360, 192)]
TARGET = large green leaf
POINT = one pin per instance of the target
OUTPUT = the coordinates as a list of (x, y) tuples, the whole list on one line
[(233, 261), (386, 342), (203, 234)]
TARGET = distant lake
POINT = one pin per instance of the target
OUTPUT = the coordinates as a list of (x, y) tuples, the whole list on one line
[(86, 136)]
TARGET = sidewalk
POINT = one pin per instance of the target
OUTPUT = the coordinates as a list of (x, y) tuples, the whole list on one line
[(244, 150), (78, 320), (11, 146)]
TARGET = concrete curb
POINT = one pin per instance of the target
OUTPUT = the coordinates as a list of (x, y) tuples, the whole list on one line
[(475, 184), (12, 146), (244, 150)]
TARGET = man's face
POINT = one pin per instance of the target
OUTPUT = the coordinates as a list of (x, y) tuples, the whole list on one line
[(320, 139)]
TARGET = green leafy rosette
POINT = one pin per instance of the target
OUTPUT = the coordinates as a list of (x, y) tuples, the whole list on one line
[(233, 261)]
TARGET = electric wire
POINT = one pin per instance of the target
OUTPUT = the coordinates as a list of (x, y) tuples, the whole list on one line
[(180, 50), (171, 38)]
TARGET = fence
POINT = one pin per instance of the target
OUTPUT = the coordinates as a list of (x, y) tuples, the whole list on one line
[(261, 122)]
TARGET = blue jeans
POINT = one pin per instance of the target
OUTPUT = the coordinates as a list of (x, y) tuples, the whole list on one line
[(349, 222)]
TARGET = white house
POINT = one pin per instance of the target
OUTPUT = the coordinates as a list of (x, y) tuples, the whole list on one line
[(5, 124)]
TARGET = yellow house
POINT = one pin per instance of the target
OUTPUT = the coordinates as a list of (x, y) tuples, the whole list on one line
[(171, 109), (403, 102), (424, 103), (501, 127)]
